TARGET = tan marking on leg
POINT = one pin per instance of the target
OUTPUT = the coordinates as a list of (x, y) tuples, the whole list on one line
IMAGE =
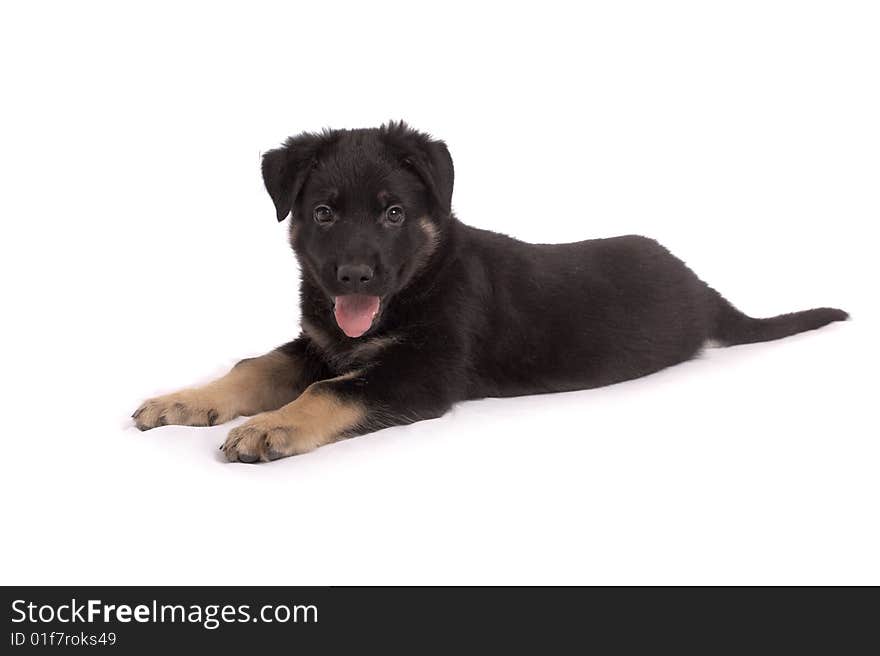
[(316, 418), (252, 386)]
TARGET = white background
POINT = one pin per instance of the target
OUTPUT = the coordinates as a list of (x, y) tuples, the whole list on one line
[(140, 253)]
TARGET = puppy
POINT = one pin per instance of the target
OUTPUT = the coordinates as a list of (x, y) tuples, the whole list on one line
[(406, 311)]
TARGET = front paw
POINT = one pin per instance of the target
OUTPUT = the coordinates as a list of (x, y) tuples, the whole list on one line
[(184, 408), (261, 439)]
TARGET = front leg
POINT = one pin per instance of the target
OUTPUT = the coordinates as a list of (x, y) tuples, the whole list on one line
[(252, 386), (361, 401)]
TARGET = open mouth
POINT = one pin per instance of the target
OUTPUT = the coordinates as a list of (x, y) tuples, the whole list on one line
[(355, 313)]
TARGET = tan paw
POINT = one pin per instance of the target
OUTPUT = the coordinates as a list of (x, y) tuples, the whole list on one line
[(184, 408), (265, 437)]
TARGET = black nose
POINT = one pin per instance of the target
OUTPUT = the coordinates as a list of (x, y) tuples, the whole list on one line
[(354, 275)]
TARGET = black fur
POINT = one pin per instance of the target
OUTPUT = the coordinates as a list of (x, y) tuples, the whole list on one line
[(469, 313)]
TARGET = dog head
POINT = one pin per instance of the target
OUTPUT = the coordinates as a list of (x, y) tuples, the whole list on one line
[(368, 208)]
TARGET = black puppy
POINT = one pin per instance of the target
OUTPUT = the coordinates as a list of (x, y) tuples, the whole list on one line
[(406, 311)]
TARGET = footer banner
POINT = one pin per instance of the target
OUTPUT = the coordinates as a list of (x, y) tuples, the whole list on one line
[(415, 619)]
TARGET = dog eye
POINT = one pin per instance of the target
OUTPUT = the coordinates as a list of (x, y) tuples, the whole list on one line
[(394, 214), (323, 214)]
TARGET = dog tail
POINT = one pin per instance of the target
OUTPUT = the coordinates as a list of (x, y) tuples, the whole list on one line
[(734, 327)]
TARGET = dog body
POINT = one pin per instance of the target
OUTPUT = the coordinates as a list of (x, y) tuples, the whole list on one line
[(406, 311)]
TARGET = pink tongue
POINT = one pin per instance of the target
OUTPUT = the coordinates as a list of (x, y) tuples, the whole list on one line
[(354, 313)]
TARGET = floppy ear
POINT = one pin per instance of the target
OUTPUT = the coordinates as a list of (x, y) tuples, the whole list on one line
[(286, 169), (427, 157)]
